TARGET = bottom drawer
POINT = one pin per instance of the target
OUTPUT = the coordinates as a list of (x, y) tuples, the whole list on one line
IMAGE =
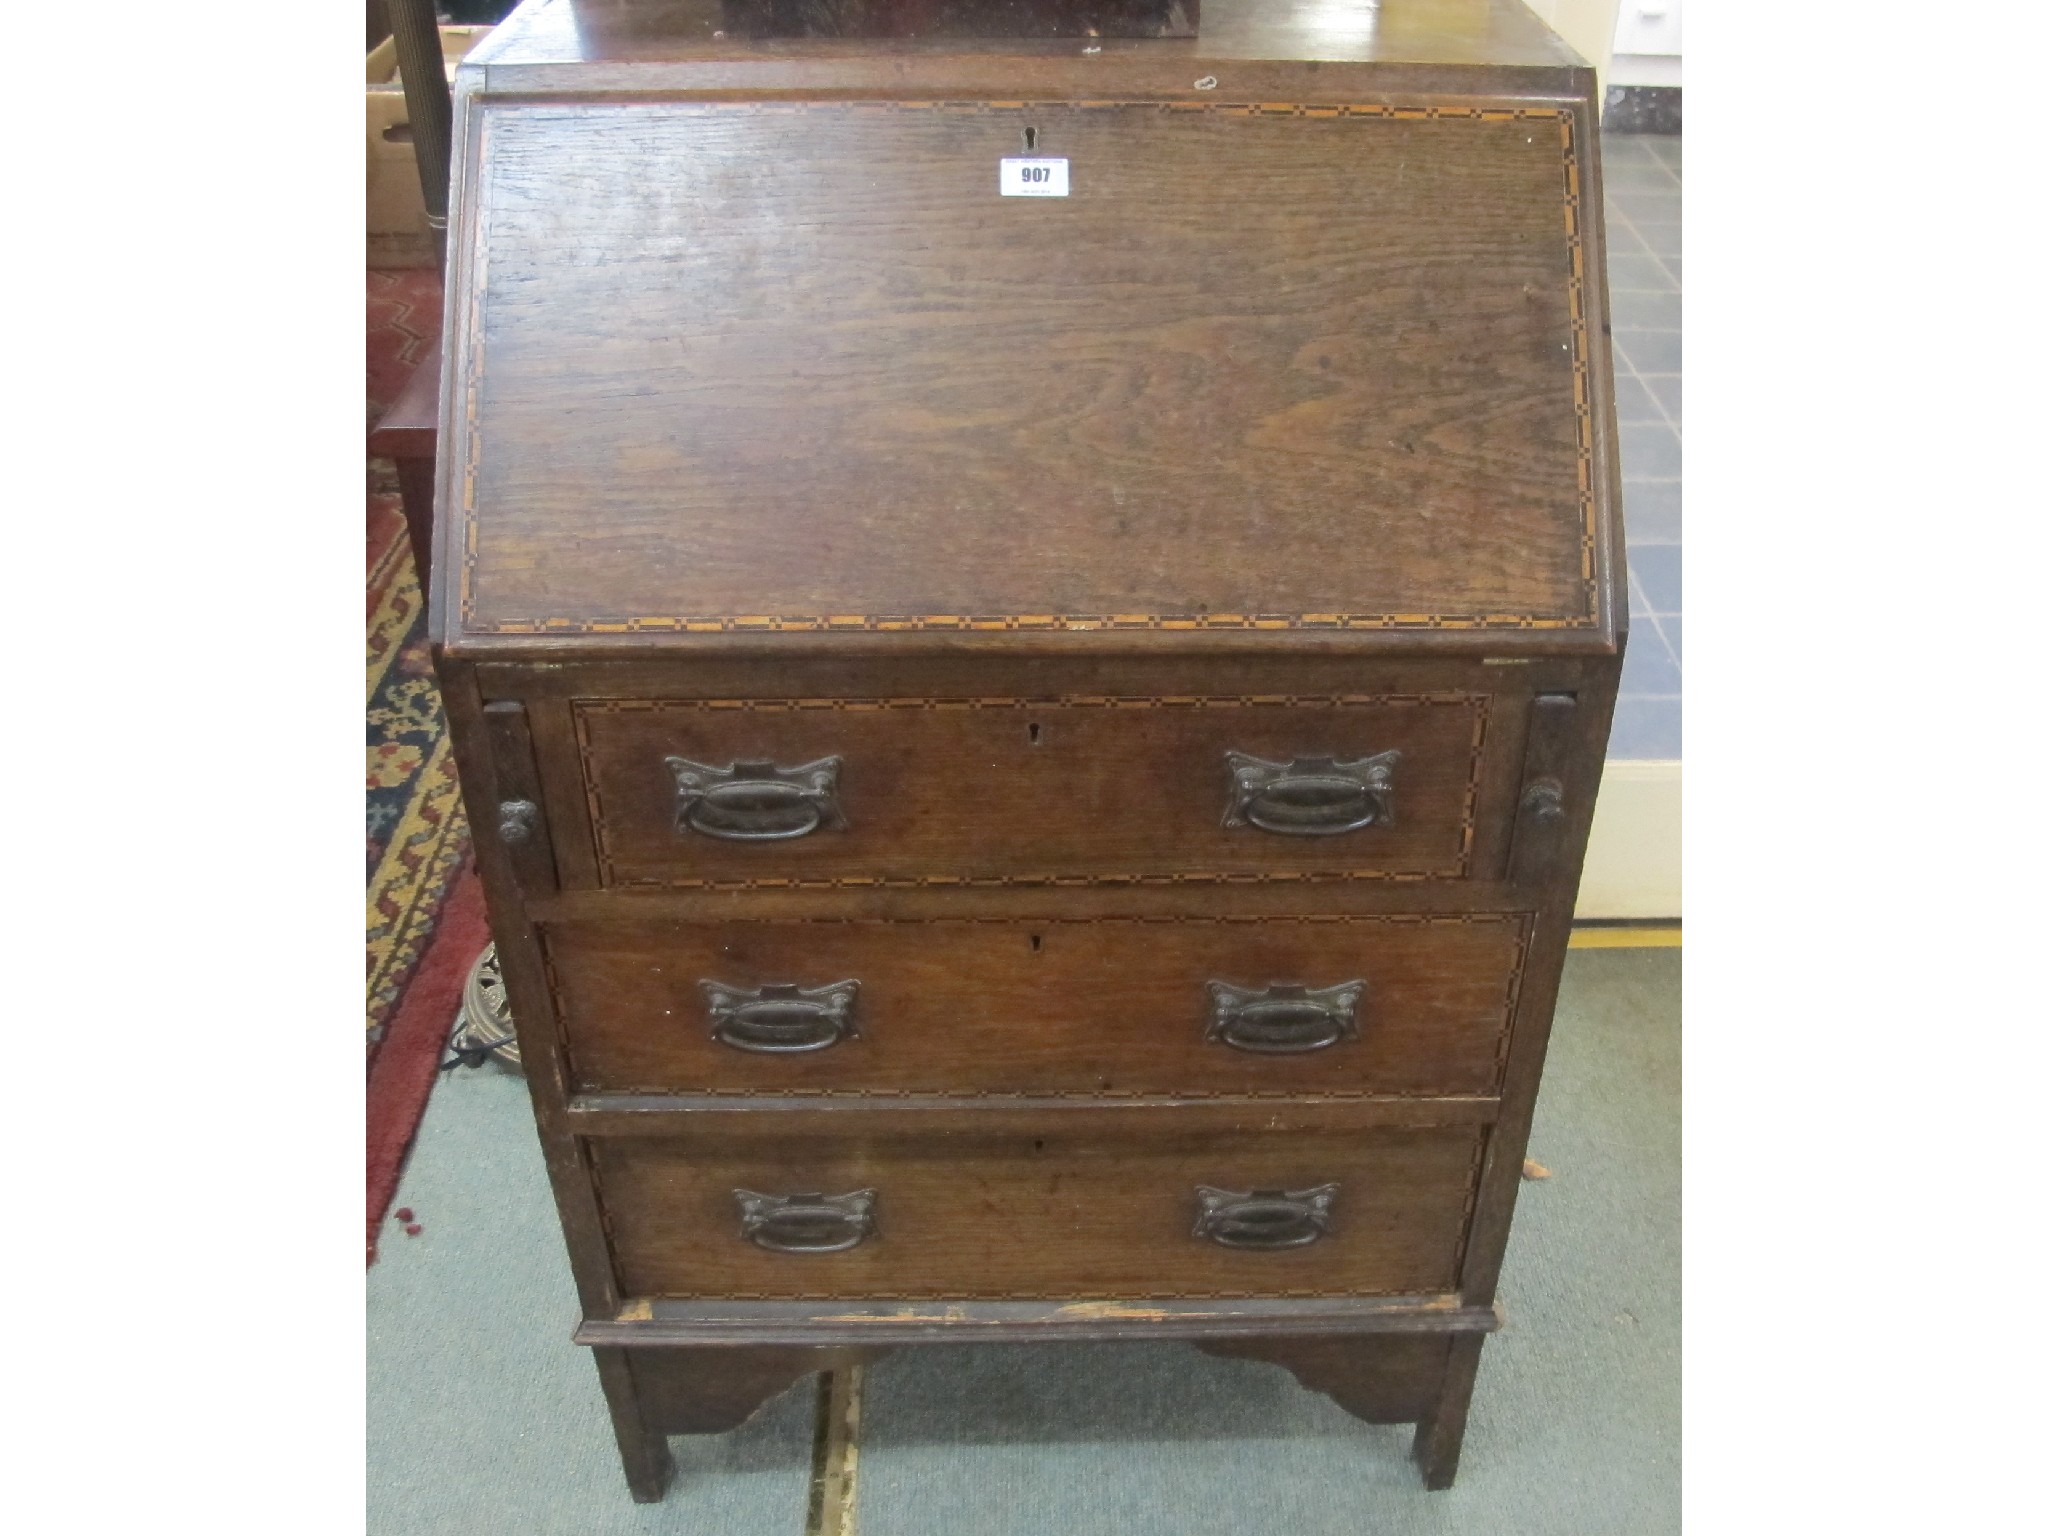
[(1030, 1205)]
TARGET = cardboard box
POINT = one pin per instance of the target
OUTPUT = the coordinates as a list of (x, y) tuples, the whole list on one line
[(395, 214)]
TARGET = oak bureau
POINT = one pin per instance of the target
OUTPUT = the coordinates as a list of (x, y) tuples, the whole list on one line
[(1030, 726)]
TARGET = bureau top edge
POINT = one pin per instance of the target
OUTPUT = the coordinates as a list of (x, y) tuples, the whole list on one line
[(653, 37), (1504, 645)]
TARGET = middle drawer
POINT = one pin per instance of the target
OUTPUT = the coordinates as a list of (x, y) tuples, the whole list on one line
[(1356, 1005)]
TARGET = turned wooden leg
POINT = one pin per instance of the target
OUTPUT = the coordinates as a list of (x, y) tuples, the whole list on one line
[(643, 1449), (1441, 1433)]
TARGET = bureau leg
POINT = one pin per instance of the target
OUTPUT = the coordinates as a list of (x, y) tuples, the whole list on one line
[(643, 1449), (1441, 1433)]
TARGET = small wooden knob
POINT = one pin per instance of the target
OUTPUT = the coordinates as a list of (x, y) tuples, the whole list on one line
[(516, 820), (1543, 801)]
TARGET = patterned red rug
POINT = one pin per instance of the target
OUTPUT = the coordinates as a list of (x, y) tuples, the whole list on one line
[(425, 913)]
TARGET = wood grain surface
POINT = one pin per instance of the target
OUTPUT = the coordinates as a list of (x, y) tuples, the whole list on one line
[(1028, 1205), (959, 790), (797, 363), (1040, 1007)]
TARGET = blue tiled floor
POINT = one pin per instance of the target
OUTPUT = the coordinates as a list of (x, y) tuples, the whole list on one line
[(1643, 175)]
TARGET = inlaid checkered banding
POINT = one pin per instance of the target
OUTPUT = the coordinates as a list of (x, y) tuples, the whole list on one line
[(1586, 617)]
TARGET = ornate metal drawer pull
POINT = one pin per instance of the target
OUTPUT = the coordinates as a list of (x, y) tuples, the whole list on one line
[(1264, 1218), (807, 1223), (1311, 796), (752, 802), (1283, 1020), (781, 1019)]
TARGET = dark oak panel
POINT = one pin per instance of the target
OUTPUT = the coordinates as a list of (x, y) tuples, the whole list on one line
[(1381, 1380), (965, 790), (1045, 1006), (1028, 1206), (708, 1391), (797, 365)]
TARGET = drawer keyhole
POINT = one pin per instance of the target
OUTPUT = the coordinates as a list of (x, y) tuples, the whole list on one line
[(1031, 731)]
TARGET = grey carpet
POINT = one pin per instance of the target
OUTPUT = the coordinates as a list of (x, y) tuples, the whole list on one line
[(484, 1418)]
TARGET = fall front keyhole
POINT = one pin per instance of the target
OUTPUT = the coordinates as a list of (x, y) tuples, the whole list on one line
[(1030, 140)]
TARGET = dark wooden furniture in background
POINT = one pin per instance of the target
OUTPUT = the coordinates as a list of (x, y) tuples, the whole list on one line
[(1031, 755), (415, 33), (406, 434)]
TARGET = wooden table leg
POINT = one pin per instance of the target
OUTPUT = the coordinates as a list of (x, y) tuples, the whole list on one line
[(409, 436), (1441, 1434), (643, 1449), (416, 499)]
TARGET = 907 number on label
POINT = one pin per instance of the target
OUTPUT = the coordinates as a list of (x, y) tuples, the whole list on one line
[(1037, 176)]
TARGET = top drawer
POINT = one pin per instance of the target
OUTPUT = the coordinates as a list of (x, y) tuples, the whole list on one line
[(1072, 789)]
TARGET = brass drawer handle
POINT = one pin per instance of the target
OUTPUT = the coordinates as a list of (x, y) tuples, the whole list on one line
[(1311, 796), (781, 1020), (1264, 1218), (807, 1223), (756, 802), (1283, 1020)]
